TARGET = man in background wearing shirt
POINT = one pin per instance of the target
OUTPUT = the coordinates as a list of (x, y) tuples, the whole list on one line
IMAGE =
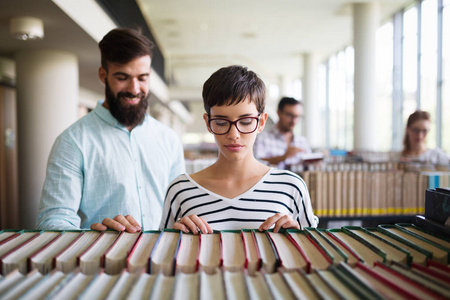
[(280, 146), (112, 167)]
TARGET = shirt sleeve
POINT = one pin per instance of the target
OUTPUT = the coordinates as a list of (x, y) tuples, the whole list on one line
[(61, 195)]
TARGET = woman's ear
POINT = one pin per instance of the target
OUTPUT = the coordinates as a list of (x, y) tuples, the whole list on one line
[(205, 118), (262, 121)]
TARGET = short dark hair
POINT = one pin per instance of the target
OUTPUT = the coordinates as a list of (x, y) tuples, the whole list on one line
[(232, 85), (121, 45), (288, 101)]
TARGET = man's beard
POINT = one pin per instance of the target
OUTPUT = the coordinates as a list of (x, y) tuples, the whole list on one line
[(127, 115)]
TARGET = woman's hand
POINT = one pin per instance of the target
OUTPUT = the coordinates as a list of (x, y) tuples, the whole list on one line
[(119, 223), (280, 221), (192, 223)]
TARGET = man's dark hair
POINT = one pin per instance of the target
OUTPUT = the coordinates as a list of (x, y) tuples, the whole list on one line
[(232, 85), (287, 101), (121, 45)]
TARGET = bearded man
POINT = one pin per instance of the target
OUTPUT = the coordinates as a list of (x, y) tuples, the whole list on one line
[(112, 167), (280, 146)]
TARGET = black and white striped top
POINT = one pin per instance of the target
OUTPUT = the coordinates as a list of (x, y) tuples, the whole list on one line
[(278, 191)]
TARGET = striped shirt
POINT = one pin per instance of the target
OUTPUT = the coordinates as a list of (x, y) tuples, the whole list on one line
[(278, 191)]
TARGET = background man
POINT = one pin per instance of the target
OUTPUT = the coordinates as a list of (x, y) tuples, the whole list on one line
[(117, 160), (280, 146)]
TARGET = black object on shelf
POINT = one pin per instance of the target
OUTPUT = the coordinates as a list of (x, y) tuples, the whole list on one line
[(433, 226), (437, 205)]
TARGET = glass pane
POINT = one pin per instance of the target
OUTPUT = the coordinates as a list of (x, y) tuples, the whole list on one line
[(446, 78), (409, 62), (384, 59), (428, 76)]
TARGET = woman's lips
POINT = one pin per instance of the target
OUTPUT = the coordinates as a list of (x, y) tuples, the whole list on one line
[(234, 147)]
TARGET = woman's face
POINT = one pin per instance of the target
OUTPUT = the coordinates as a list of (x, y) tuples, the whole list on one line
[(417, 132), (235, 145)]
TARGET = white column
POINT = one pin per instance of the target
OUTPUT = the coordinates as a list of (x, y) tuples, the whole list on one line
[(365, 24), (47, 103), (313, 128)]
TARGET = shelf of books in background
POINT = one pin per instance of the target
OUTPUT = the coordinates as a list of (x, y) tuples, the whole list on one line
[(199, 156), (371, 184), (351, 262)]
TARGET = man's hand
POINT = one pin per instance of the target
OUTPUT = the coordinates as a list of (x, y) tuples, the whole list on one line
[(119, 223), (292, 151), (280, 221), (194, 224)]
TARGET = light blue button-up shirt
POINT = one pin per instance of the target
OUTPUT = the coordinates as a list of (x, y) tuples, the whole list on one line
[(98, 169)]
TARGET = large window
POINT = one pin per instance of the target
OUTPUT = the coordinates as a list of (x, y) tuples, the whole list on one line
[(410, 96), (445, 132), (428, 69), (340, 100), (384, 86), (413, 71)]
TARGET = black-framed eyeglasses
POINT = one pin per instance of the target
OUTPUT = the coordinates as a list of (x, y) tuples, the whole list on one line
[(244, 125)]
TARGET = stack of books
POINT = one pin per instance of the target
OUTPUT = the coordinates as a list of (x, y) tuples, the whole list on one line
[(351, 262)]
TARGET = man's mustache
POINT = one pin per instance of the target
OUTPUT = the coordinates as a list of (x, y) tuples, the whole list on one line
[(130, 95)]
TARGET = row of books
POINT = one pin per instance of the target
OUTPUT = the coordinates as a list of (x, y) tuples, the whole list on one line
[(341, 281), (371, 193), (171, 252)]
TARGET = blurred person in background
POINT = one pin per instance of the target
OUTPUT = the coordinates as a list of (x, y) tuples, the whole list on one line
[(415, 147)]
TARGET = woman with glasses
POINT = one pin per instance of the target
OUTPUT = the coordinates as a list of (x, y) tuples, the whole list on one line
[(414, 142), (237, 191)]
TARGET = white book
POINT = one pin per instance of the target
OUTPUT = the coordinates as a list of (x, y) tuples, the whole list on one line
[(322, 288), (18, 258), (143, 287), (16, 242), (164, 252), (186, 286), (278, 287), (123, 286), (233, 253), (266, 251), (7, 234), (300, 286), (138, 259), (162, 289), (329, 246), (257, 287), (74, 287), (252, 256), (212, 286), (43, 260), (235, 286), (318, 259), (100, 287), (91, 260), (289, 256), (66, 261), (187, 257), (10, 280), (209, 258), (41, 290), (116, 257), (23, 286)]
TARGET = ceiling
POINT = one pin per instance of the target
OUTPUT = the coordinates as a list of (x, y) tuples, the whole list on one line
[(196, 37)]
